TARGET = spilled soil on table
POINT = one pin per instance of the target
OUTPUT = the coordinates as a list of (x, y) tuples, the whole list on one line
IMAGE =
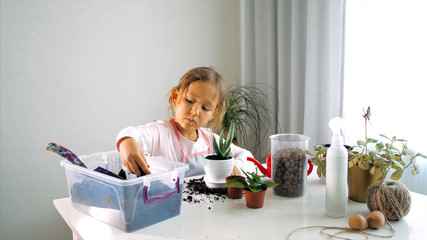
[(197, 192)]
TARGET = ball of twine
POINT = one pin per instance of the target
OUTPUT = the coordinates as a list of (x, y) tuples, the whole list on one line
[(393, 199)]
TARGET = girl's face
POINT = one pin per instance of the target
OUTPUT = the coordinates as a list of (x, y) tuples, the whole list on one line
[(195, 108)]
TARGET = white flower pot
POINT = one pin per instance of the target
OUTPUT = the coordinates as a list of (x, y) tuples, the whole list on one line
[(216, 171)]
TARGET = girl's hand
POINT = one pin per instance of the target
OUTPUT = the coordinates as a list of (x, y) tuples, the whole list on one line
[(236, 171), (132, 156)]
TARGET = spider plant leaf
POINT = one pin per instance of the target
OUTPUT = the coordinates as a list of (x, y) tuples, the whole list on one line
[(248, 109)]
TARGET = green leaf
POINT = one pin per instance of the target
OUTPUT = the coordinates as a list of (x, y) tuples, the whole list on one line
[(237, 183), (255, 189), (372, 170), (364, 165), (396, 175), (215, 146), (269, 184), (372, 140), (324, 171), (399, 159), (230, 136), (401, 140), (390, 153), (222, 147), (379, 146), (395, 149), (382, 177), (382, 162), (228, 153), (361, 143), (396, 165)]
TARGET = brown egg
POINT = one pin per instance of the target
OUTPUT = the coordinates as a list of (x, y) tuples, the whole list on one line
[(357, 222), (375, 219)]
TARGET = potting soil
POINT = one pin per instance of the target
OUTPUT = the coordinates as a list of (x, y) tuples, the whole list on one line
[(197, 192)]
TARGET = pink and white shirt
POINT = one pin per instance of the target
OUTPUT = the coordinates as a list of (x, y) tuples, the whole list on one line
[(160, 138)]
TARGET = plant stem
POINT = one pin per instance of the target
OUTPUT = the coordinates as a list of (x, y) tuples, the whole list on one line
[(410, 162), (366, 134)]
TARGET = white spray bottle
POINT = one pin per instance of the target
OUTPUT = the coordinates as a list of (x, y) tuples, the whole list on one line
[(336, 172)]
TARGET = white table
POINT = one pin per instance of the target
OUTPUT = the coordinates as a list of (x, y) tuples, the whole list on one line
[(231, 219)]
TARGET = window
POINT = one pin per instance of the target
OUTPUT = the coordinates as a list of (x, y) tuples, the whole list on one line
[(386, 69)]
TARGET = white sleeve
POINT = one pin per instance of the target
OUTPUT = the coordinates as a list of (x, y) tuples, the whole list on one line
[(131, 132), (144, 135), (240, 157)]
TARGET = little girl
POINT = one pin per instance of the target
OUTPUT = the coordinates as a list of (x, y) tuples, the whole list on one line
[(197, 100)]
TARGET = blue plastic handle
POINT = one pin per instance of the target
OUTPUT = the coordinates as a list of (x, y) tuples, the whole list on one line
[(160, 198)]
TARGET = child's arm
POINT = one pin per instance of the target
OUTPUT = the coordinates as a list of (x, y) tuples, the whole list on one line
[(132, 155), (236, 171)]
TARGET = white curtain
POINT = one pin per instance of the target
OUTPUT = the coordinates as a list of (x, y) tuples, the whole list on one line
[(295, 47)]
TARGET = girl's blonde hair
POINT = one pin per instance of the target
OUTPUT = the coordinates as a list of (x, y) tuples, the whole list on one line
[(206, 74)]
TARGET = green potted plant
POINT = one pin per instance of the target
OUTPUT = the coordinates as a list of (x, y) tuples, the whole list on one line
[(247, 108), (253, 186), (219, 165), (370, 161)]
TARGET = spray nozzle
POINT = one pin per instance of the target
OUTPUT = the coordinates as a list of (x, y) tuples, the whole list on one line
[(337, 126)]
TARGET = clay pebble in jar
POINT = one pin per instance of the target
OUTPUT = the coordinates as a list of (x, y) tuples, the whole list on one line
[(290, 172)]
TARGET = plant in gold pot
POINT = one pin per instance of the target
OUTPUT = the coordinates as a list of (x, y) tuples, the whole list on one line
[(371, 160), (254, 187)]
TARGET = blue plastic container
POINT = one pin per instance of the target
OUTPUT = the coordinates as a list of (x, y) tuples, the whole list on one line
[(128, 205)]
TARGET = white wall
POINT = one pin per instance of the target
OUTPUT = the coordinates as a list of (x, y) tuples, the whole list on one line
[(76, 72)]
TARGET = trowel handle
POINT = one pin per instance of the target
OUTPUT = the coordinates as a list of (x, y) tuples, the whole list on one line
[(65, 153)]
